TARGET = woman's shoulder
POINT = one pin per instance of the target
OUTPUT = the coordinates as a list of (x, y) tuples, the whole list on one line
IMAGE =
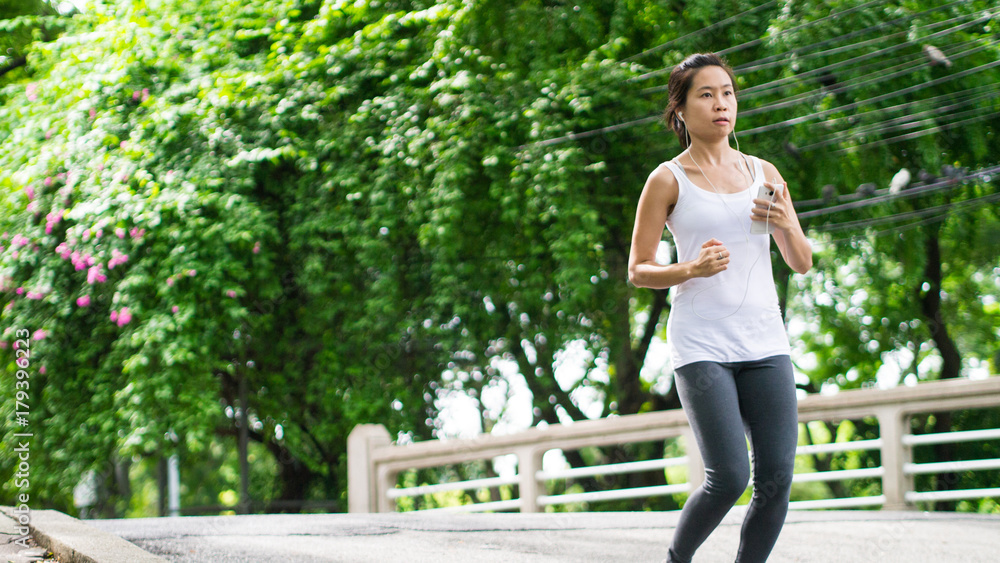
[(663, 176), (769, 169), (662, 188)]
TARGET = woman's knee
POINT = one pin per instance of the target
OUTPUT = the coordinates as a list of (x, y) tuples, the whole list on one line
[(729, 483), (776, 484)]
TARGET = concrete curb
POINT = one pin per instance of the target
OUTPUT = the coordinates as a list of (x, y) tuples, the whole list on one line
[(76, 542)]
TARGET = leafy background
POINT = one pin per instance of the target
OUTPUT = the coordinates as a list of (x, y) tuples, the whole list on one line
[(375, 211)]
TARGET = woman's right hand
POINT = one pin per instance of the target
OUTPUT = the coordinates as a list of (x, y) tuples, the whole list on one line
[(712, 259)]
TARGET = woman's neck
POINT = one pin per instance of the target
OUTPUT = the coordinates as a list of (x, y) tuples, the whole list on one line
[(717, 153)]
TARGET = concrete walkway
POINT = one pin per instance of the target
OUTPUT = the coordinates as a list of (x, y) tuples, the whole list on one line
[(37, 535), (808, 537)]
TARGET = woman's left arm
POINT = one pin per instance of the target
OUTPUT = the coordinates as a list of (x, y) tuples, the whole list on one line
[(788, 234)]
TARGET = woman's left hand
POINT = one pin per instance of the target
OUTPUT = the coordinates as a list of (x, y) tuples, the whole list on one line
[(780, 213)]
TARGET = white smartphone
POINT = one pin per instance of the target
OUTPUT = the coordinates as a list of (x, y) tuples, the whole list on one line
[(762, 227)]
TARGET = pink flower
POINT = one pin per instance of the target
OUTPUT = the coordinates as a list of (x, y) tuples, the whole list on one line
[(192, 272), (124, 317), (93, 113), (42, 370), (123, 144), (16, 346), (89, 259), (35, 295), (116, 258), (51, 220), (170, 281), (48, 181), (256, 247), (3, 345), (120, 232), (78, 262), (19, 240), (31, 90), (174, 309), (136, 233), (30, 192), (40, 334), (114, 316), (145, 94), (19, 291), (94, 274), (83, 301), (231, 293), (136, 94), (63, 250)]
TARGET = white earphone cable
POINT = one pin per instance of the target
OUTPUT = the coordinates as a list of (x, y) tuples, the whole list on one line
[(746, 235)]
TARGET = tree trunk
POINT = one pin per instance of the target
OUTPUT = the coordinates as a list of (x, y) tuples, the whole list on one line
[(630, 362), (295, 479), (930, 303)]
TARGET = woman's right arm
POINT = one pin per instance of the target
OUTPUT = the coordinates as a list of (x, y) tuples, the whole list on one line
[(659, 196)]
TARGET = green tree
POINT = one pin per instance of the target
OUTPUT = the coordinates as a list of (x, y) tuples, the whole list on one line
[(349, 211)]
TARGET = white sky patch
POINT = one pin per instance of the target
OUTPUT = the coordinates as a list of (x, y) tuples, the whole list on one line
[(462, 420), (930, 364), (508, 401), (571, 364), (893, 364), (657, 369), (663, 252), (67, 6), (978, 369)]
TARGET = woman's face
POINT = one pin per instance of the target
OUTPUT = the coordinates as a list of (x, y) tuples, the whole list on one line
[(710, 108)]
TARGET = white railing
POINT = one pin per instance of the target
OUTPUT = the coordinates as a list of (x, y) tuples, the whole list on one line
[(374, 462)]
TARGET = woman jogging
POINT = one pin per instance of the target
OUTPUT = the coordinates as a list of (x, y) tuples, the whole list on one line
[(727, 341)]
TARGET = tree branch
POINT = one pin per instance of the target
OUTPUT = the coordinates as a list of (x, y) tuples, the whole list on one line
[(14, 64)]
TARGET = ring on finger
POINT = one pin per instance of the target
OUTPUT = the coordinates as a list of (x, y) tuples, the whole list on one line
[(720, 256)]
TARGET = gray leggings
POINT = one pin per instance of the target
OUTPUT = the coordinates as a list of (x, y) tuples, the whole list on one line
[(722, 401)]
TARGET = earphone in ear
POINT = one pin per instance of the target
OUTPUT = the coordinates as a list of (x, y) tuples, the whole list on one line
[(680, 116)]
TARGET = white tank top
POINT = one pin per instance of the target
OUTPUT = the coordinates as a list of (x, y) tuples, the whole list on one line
[(707, 322)]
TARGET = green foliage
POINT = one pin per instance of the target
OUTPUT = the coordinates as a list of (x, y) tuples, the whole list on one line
[(339, 202)]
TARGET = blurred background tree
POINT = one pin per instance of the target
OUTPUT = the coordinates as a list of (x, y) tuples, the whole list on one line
[(291, 217)]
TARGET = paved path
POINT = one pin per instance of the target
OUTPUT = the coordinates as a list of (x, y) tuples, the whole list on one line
[(808, 537)]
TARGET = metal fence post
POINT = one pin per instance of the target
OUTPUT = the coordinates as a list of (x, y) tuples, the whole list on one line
[(385, 480), (695, 465), (362, 476), (529, 463), (895, 482)]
